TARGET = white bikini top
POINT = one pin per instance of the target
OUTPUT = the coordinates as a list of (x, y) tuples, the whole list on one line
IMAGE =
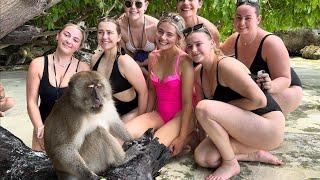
[(148, 47)]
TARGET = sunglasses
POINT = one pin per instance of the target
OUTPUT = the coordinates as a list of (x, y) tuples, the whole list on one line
[(199, 27), (248, 1), (173, 16), (129, 4)]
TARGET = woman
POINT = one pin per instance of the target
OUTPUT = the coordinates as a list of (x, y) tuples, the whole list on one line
[(130, 91), (188, 10), (237, 116), (170, 110), (261, 50), (138, 31), (5, 102), (48, 76)]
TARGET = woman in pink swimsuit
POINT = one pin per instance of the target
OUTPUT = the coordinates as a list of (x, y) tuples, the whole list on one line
[(170, 110)]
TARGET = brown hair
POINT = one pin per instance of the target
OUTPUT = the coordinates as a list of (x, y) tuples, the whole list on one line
[(112, 20), (252, 4), (118, 29)]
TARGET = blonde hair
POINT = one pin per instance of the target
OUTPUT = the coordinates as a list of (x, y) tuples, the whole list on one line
[(84, 36), (177, 21)]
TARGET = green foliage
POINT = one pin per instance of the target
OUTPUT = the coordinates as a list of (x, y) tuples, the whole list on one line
[(276, 14)]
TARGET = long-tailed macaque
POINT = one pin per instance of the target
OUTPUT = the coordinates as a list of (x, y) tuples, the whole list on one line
[(80, 132)]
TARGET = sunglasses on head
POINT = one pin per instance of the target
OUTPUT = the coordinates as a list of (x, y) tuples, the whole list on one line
[(173, 16), (248, 1), (129, 4), (186, 32)]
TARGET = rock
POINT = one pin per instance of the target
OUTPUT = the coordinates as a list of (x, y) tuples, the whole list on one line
[(17, 161), (295, 40), (311, 52)]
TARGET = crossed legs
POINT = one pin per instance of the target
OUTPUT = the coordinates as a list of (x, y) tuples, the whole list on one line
[(233, 133)]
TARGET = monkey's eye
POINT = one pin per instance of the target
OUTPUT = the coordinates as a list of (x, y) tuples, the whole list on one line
[(99, 85), (91, 86)]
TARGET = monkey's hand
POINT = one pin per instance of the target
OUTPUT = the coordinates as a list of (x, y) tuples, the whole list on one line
[(145, 139), (134, 151)]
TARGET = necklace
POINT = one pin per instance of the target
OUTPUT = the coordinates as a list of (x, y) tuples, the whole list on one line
[(61, 65), (131, 38), (61, 79), (250, 42)]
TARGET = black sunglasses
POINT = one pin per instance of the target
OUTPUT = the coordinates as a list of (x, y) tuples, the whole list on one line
[(129, 4), (186, 32), (248, 1)]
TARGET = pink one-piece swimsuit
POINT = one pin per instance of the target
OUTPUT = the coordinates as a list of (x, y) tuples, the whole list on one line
[(168, 92)]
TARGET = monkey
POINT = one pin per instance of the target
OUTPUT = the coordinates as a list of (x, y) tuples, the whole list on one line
[(81, 131)]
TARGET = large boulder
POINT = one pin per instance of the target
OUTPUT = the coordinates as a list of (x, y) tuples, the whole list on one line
[(297, 39)]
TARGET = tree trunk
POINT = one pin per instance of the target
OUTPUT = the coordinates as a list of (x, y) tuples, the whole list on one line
[(17, 161), (14, 13)]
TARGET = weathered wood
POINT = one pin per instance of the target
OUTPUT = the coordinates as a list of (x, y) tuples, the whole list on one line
[(21, 35), (17, 161), (14, 13)]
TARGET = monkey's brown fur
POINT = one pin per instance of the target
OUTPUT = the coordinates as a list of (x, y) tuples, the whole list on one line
[(81, 130)]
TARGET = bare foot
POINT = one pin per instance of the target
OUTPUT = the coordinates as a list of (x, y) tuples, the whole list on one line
[(225, 171), (260, 156)]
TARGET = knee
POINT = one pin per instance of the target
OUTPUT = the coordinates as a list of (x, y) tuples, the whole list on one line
[(276, 137), (133, 130), (201, 111)]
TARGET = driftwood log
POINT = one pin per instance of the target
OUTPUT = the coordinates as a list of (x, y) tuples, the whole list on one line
[(17, 161), (15, 13), (21, 35)]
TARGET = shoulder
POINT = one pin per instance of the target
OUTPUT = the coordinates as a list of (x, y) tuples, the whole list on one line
[(37, 63), (151, 19), (36, 67), (209, 25), (273, 39), (127, 64), (273, 44), (231, 65), (151, 23), (125, 60), (228, 45), (232, 38)]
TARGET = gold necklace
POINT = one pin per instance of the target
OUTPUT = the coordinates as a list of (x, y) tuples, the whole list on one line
[(250, 42)]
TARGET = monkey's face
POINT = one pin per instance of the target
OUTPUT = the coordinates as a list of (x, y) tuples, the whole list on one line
[(89, 91)]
